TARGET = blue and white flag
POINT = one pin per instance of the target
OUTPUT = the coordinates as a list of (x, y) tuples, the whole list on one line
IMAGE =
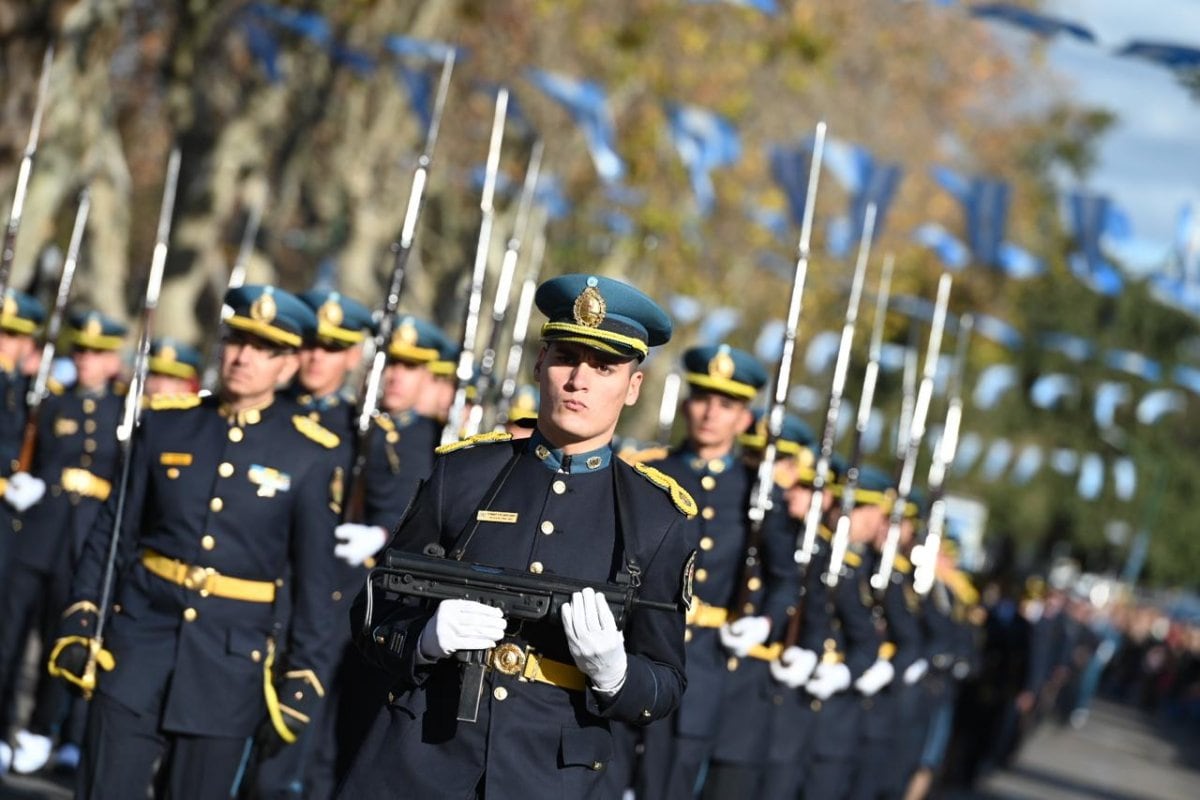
[(1186, 247), (717, 324), (1124, 474), (970, 447), (1187, 377), (993, 382), (684, 308), (953, 254), (427, 49), (1028, 464), (1048, 391), (306, 24), (769, 345), (769, 7), (1109, 396), (549, 195), (821, 352), (705, 141), (1076, 348), (985, 202), (1166, 54), (1064, 461), (868, 181), (996, 461), (1091, 476), (1134, 364), (1156, 404), (587, 104), (998, 331), (789, 169), (1044, 26), (1090, 217)]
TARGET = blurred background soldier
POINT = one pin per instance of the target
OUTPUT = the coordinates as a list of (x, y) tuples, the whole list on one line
[(74, 464), (438, 395), (227, 496), (174, 368), (522, 413)]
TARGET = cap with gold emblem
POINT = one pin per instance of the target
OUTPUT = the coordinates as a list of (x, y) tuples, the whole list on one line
[(524, 409), (341, 321), (416, 341), (724, 369), (173, 357), (603, 314), (92, 330), (447, 360), (271, 314), (22, 313)]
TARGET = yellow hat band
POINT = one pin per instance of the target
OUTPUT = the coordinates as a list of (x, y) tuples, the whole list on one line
[(443, 368), (176, 369), (416, 355), (337, 334), (264, 330), (593, 337), (15, 324), (742, 391), (870, 497), (95, 341)]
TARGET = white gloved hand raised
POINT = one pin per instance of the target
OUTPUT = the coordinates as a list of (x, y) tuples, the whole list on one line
[(596, 645), (742, 634), (24, 491), (357, 543), (794, 666), (828, 680), (916, 670), (460, 625), (877, 676)]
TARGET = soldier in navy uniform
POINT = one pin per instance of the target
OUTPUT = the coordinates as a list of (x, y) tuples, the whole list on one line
[(329, 353), (74, 465), (20, 317), (557, 502), (174, 367), (227, 495), (438, 396), (734, 611)]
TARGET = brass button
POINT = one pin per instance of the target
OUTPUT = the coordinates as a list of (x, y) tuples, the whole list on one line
[(687, 635), (706, 543), (754, 584), (547, 527), (708, 482), (536, 568), (85, 460), (207, 541), (89, 405), (253, 416), (315, 416), (235, 434), (225, 470), (701, 575), (646, 713), (709, 512), (172, 472), (597, 766), (16, 524), (216, 504), (298, 695), (732, 663), (391, 697), (716, 466), (500, 693), (89, 445), (189, 614), (89, 426), (337, 597), (256, 656), (559, 486), (369, 562), (392, 437), (815, 705)]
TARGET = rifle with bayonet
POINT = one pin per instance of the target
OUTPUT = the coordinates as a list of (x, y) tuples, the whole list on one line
[(812, 521), (926, 564), (41, 382), (464, 373), (237, 277), (516, 348), (916, 433), (133, 407), (764, 480), (368, 399), (841, 533), (9, 251), (508, 268)]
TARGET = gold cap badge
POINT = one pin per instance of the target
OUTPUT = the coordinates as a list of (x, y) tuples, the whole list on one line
[(167, 353), (263, 309), (93, 326), (406, 335), (330, 313), (589, 306), (10, 306), (721, 365)]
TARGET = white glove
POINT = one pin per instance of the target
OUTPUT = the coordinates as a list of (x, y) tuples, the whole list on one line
[(24, 491), (794, 667), (877, 676), (596, 645), (460, 625), (742, 634), (828, 680), (357, 543), (916, 670)]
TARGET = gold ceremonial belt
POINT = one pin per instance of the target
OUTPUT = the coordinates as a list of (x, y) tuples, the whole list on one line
[(206, 580), (766, 652), (528, 665), (82, 482), (702, 615)]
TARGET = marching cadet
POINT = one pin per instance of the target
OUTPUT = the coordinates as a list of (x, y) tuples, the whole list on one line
[(174, 368), (20, 317), (438, 396), (733, 612), (74, 464), (329, 353), (227, 496), (522, 412), (555, 503)]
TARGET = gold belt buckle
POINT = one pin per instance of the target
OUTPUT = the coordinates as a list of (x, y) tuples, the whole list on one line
[(196, 579), (509, 659)]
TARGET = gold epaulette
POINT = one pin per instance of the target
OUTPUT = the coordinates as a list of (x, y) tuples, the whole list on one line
[(173, 402), (471, 441), (679, 496), (385, 422), (960, 586), (316, 431), (53, 386), (632, 457)]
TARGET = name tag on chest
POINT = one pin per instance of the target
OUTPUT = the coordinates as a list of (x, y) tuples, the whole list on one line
[(269, 480), (487, 515)]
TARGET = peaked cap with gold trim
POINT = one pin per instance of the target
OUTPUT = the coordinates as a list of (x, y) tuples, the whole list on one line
[(21, 313), (94, 331), (724, 369), (341, 321), (269, 313), (603, 314), (416, 341), (173, 357)]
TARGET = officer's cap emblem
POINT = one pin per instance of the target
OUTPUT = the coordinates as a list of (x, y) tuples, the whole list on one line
[(263, 309), (721, 365), (10, 306), (331, 312), (168, 353), (589, 307), (93, 326), (406, 335)]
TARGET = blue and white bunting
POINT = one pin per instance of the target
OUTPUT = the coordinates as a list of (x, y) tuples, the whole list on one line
[(587, 104), (705, 141)]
